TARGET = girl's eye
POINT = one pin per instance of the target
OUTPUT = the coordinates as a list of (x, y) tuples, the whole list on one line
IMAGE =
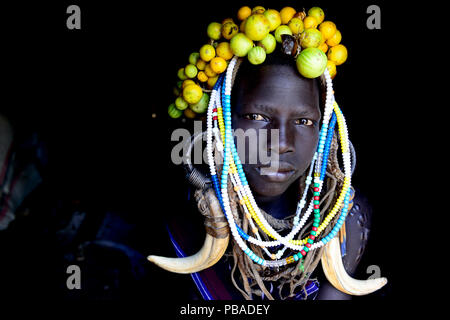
[(303, 121), (255, 116)]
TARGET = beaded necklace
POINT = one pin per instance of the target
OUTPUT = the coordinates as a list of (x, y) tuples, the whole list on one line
[(219, 127)]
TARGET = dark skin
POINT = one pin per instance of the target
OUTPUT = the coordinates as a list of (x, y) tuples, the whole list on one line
[(276, 97)]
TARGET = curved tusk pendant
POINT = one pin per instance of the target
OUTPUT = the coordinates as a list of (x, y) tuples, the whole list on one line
[(211, 252), (214, 247), (335, 272)]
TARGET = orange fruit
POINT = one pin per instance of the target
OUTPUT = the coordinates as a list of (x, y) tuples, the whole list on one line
[(218, 65), (244, 12), (207, 52), (335, 39), (189, 113), (242, 26), (201, 64), (331, 66), (328, 29), (209, 71), (338, 54), (202, 77), (192, 93), (323, 47), (310, 22), (223, 50), (287, 13)]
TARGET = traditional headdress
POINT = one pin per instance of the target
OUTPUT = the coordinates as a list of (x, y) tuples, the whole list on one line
[(225, 197)]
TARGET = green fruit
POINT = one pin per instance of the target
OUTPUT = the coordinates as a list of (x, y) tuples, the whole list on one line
[(274, 18), (190, 71), (202, 105), (181, 74), (311, 62), (310, 38), (268, 43), (193, 58), (173, 111), (317, 13), (180, 103), (256, 55), (240, 44), (214, 30), (283, 29)]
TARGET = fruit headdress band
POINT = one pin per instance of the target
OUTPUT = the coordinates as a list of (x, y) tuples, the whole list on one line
[(312, 41)]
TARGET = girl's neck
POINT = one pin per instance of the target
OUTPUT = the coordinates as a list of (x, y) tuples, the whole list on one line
[(280, 206)]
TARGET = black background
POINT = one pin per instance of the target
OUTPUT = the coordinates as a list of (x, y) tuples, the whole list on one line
[(91, 93)]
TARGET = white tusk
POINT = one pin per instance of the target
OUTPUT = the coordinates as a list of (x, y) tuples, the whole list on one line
[(212, 250), (335, 272)]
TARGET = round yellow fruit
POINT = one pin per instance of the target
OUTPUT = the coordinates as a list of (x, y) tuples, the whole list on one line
[(202, 77), (287, 13), (209, 71), (186, 83), (201, 64), (223, 50), (274, 18), (244, 12), (227, 20), (323, 47), (192, 93), (328, 29), (338, 54), (296, 25), (229, 29), (317, 13), (335, 39), (218, 65), (258, 9), (310, 22), (242, 26), (331, 66), (257, 27), (207, 52)]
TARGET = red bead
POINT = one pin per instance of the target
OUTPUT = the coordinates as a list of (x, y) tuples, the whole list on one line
[(316, 198), (316, 189), (312, 237), (303, 252), (316, 206), (314, 228), (215, 110), (215, 118), (308, 245)]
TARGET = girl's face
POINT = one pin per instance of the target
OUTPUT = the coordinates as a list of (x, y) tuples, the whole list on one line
[(275, 97)]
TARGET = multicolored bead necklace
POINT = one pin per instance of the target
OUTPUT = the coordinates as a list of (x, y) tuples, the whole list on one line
[(219, 127)]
